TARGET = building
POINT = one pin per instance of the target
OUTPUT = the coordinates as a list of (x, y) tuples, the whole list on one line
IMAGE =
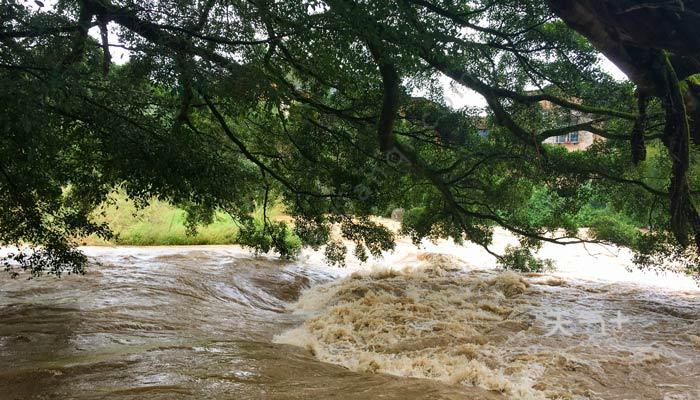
[(573, 141)]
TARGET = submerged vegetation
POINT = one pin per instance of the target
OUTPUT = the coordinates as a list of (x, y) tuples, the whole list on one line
[(337, 108)]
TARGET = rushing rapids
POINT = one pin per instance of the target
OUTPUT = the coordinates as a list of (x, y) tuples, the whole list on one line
[(215, 322), (537, 338)]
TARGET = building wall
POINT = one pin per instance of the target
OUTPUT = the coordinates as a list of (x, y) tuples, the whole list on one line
[(585, 140)]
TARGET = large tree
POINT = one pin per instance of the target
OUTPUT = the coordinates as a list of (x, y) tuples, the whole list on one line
[(223, 102), (657, 44)]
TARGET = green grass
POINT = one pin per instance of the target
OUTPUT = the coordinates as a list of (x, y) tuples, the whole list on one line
[(162, 224)]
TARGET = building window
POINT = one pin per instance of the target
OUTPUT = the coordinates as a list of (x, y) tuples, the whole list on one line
[(568, 138), (573, 137)]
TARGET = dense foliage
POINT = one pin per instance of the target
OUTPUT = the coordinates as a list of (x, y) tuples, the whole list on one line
[(225, 104)]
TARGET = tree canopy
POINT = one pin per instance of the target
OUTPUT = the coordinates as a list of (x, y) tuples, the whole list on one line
[(336, 108)]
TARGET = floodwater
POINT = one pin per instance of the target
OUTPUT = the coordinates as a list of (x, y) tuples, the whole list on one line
[(436, 323)]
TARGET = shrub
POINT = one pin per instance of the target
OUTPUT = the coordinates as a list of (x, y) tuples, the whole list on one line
[(273, 236), (521, 259), (614, 228)]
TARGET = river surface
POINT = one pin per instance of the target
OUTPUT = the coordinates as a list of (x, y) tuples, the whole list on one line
[(217, 323)]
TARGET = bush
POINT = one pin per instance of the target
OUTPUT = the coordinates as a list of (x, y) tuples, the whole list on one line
[(615, 229), (548, 209), (273, 236), (521, 259)]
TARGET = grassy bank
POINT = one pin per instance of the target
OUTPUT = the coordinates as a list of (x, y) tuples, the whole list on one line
[(161, 224)]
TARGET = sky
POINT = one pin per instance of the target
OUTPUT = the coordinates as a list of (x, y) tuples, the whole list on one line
[(458, 97)]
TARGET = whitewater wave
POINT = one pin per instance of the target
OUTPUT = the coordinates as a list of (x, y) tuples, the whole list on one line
[(441, 320), (428, 322)]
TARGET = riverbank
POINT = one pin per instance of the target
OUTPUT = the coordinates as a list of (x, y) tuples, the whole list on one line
[(162, 224)]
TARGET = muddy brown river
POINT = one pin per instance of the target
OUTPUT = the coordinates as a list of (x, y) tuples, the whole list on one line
[(218, 323)]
